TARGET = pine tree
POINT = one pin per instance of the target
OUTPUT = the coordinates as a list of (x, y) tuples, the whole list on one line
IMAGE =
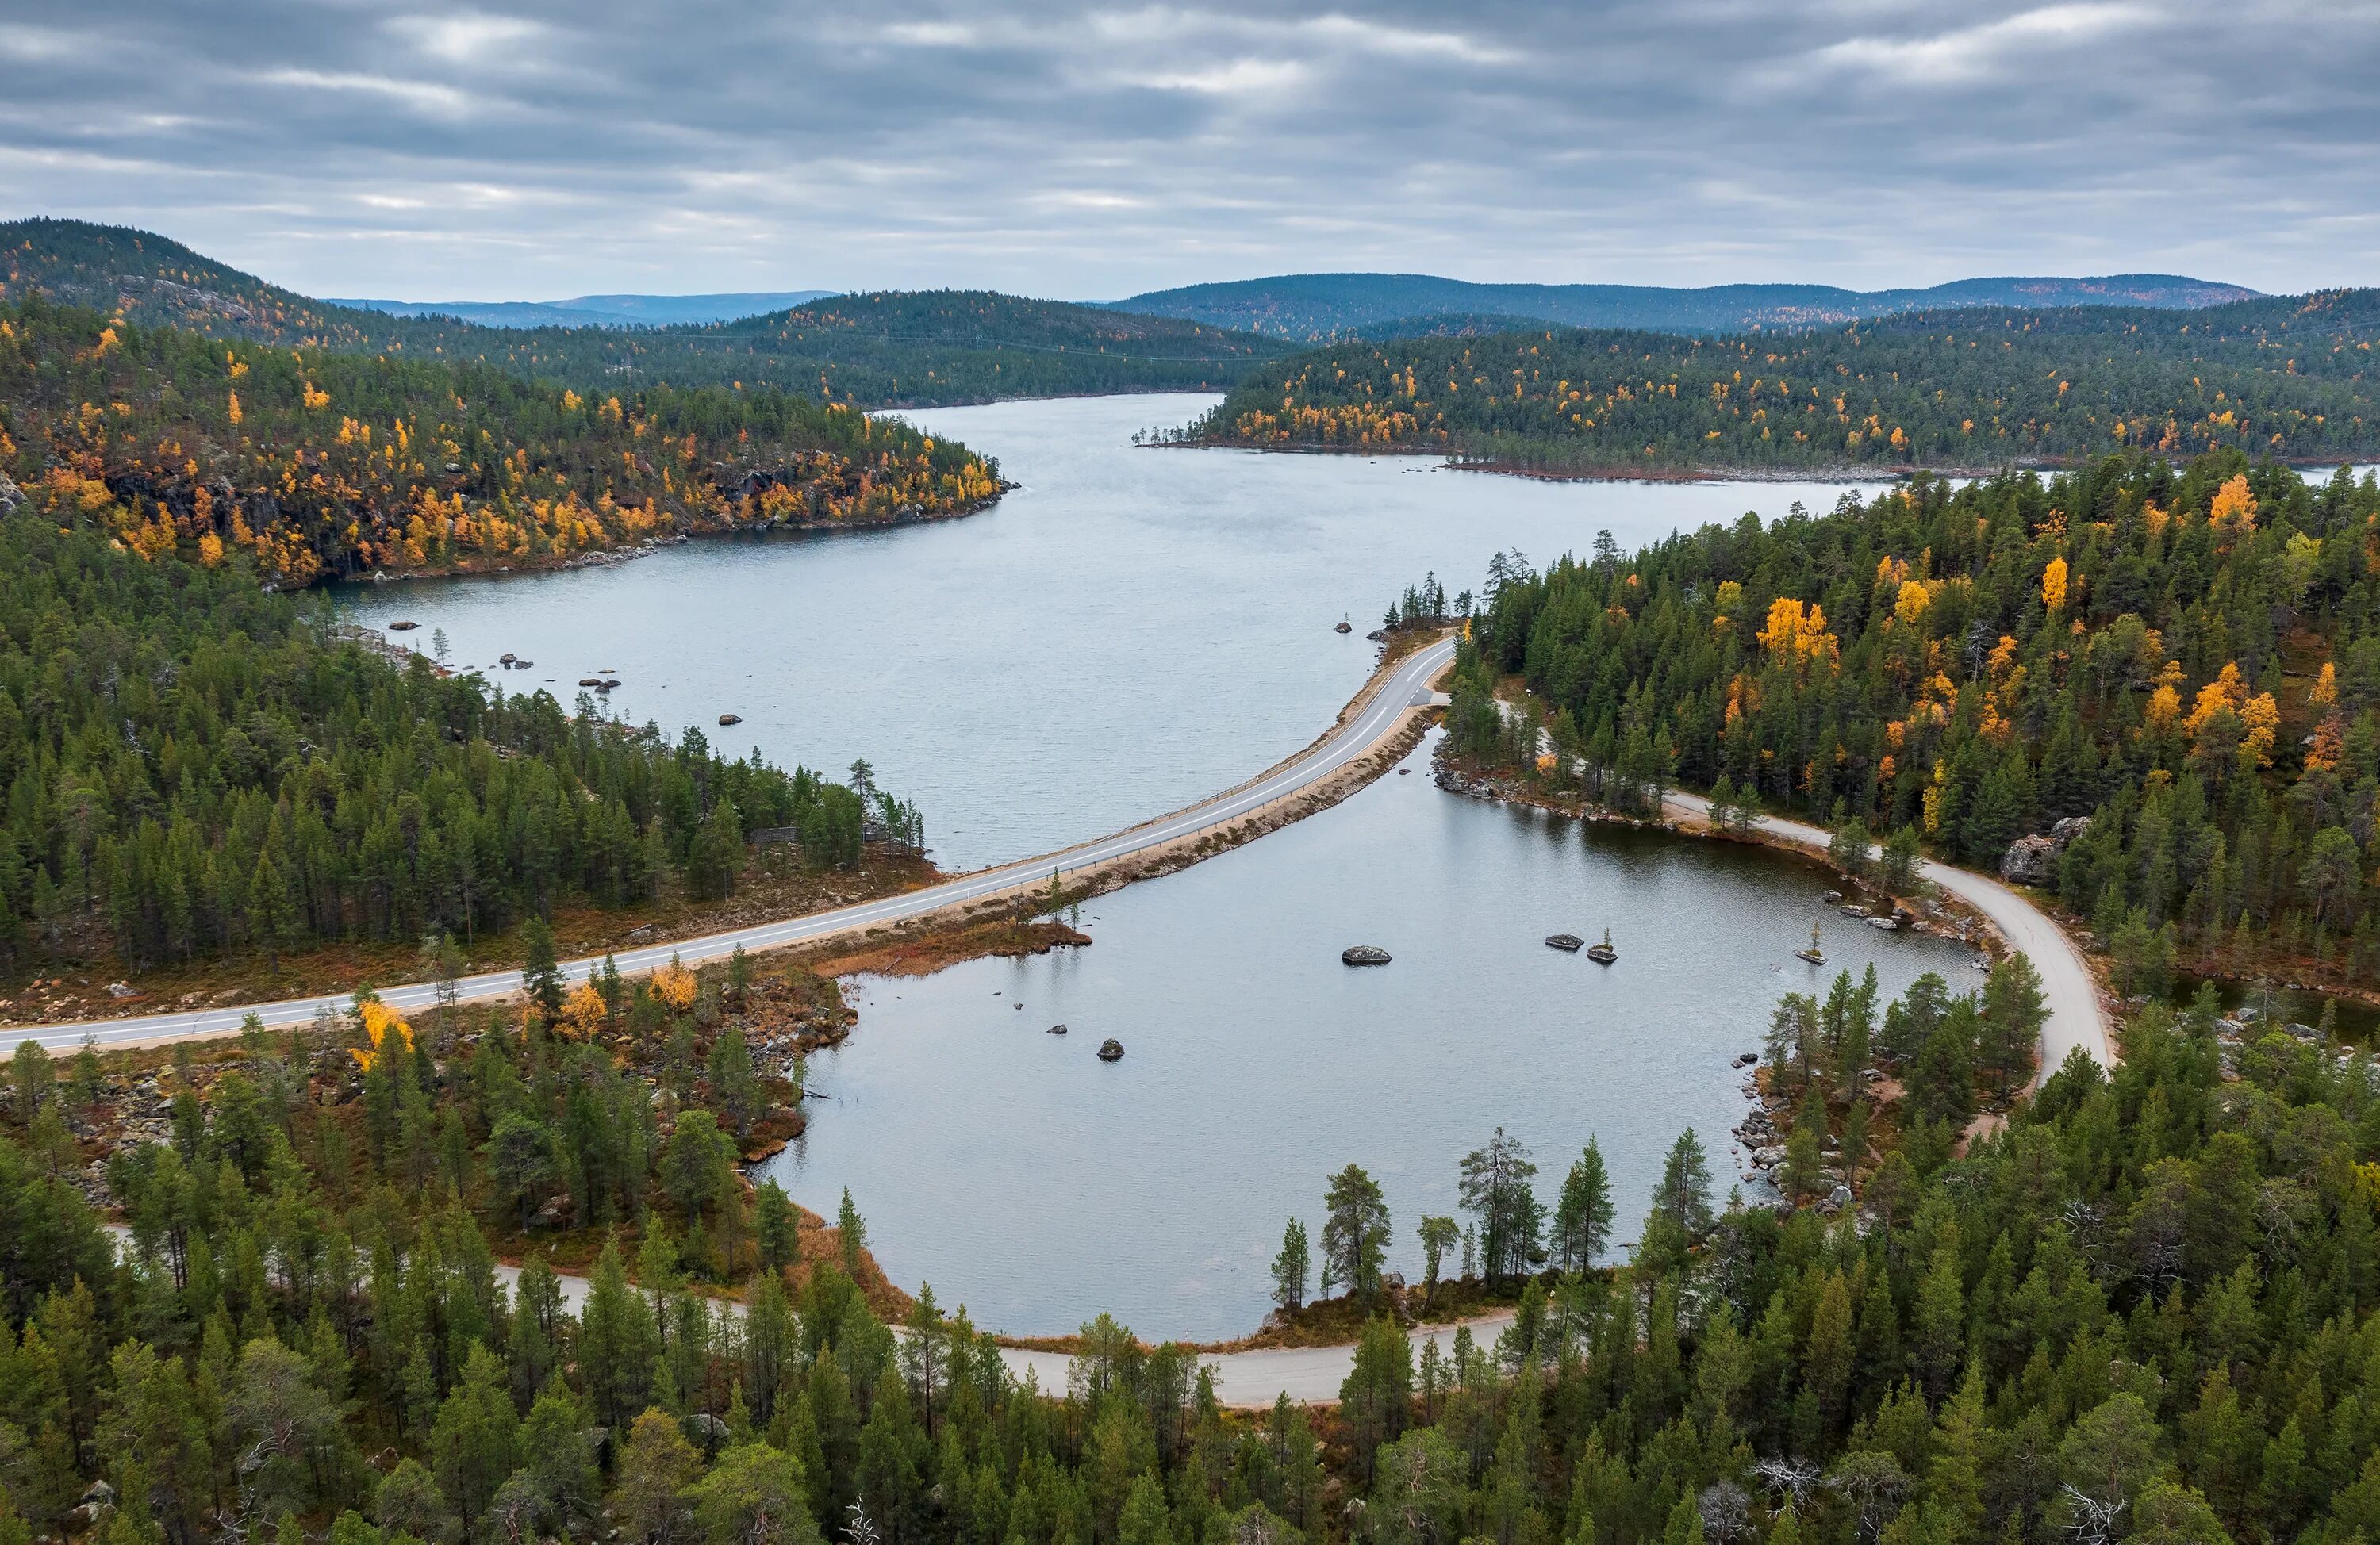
[(1582, 1217), (1290, 1269), (540, 977)]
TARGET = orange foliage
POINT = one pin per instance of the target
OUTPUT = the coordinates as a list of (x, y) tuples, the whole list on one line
[(380, 1024)]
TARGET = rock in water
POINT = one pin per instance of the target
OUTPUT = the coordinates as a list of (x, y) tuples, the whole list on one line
[(1111, 1050), (1566, 941), (1057, 1029), (731, 718), (1363, 954)]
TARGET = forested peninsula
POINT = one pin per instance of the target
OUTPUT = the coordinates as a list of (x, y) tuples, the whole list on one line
[(1960, 390), (323, 463), (192, 770), (2186, 658)]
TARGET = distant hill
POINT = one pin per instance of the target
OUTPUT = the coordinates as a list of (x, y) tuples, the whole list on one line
[(599, 310), (1322, 306), (896, 349), (1956, 387)]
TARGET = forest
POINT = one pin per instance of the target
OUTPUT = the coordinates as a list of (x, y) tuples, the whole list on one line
[(1975, 389), (190, 766), (888, 350), (2186, 656), (1334, 306), (325, 464), (2142, 1312)]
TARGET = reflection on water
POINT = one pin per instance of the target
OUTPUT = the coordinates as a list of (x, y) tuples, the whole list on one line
[(2357, 1021), (1126, 633), (1019, 1174)]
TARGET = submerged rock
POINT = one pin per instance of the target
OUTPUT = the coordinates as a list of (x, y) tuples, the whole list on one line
[(1363, 954)]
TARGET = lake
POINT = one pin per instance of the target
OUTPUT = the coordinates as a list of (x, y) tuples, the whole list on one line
[(1126, 633), (1019, 1174)]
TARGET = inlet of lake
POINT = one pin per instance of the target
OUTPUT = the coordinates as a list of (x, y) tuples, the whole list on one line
[(1125, 633)]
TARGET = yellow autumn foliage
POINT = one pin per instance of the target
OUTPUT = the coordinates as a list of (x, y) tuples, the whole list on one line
[(675, 986), (381, 1022), (583, 1012), (1796, 632)]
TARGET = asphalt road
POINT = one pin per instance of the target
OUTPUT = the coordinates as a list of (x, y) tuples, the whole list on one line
[(2076, 1016), (1363, 731)]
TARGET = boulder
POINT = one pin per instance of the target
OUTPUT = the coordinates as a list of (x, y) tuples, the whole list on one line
[(2034, 859), (1111, 1050), (1363, 954), (2030, 861)]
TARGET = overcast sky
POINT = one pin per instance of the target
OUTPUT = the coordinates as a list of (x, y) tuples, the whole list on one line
[(534, 152)]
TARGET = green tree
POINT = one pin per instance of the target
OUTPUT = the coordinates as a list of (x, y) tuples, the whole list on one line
[(541, 976), (2014, 1011), (754, 1495), (700, 1157), (407, 1500), (1354, 1233), (735, 1082), (475, 1442), (1903, 856), (1682, 1196), (776, 1225), (1290, 1269), (1375, 1400), (1439, 1236), (1583, 1214), (1494, 1189), (851, 1236), (657, 1471), (520, 1159)]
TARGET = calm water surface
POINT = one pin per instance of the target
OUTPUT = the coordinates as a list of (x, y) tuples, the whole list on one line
[(1126, 633), (1020, 1174)]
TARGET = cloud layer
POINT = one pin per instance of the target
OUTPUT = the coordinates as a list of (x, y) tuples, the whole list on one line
[(549, 150)]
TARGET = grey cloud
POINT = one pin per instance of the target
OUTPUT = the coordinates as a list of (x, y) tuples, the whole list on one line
[(530, 149)]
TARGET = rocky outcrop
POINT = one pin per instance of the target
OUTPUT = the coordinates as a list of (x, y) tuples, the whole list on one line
[(2034, 859), (10, 495)]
